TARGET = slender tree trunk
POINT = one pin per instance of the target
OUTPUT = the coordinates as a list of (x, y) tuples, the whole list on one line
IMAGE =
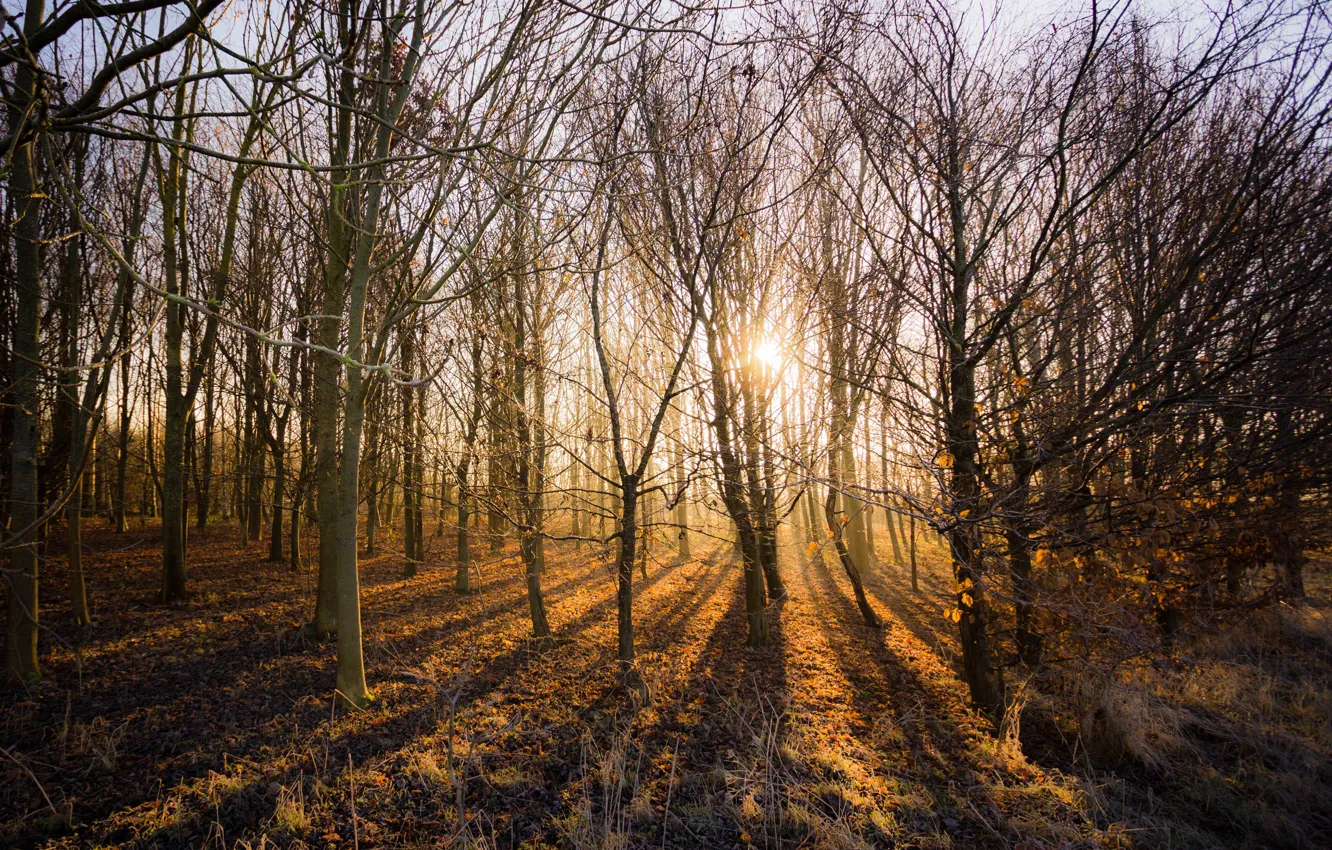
[(835, 525), (204, 494), (370, 481), (733, 495), (418, 500), (529, 474), (351, 684), (869, 508), (351, 662), (684, 550), (983, 679), (294, 534), (254, 498), (915, 584), (123, 441), (279, 492), (893, 527), (624, 571), (326, 365), (26, 194), (177, 408), (462, 582), (846, 526), (78, 424), (892, 537), (409, 485)]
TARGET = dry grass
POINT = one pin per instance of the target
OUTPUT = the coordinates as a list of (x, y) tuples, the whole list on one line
[(836, 736), (1226, 744)]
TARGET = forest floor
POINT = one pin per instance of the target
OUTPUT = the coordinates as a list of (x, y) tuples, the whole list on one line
[(210, 724)]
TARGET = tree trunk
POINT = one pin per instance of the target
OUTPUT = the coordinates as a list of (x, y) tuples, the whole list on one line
[(177, 408), (915, 585), (254, 505), (204, 489), (624, 571), (529, 464), (733, 495), (25, 193), (841, 466), (279, 492), (462, 582), (983, 679), (294, 535), (326, 365), (351, 686), (684, 551), (122, 443), (410, 487), (78, 422)]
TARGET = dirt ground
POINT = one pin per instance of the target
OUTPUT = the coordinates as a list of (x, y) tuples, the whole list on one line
[(211, 724)]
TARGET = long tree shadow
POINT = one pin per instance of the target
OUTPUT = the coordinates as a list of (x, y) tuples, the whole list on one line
[(933, 733), (920, 612), (223, 691), (508, 671)]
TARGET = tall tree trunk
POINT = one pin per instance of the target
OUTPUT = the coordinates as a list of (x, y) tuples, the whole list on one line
[(915, 584), (351, 684), (733, 494), (466, 501), (624, 571), (78, 418), (123, 441), (370, 481), (529, 462), (983, 679), (26, 193), (204, 494), (418, 500), (461, 579), (326, 364), (279, 492), (409, 451), (495, 471), (835, 525), (869, 508), (177, 406), (254, 497), (893, 527), (846, 527), (684, 550)]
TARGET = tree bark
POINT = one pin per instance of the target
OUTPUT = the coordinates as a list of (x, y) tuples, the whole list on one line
[(26, 194)]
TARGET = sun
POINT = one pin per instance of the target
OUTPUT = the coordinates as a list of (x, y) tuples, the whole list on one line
[(769, 354)]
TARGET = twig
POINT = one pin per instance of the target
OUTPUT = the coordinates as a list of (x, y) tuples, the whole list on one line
[(33, 777), (351, 778), (670, 786)]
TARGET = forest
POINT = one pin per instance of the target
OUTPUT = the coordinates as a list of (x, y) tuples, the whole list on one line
[(662, 424)]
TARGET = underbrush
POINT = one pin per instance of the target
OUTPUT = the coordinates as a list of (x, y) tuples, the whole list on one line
[(1226, 742)]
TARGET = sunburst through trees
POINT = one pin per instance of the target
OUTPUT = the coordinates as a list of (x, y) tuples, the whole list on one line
[(981, 352)]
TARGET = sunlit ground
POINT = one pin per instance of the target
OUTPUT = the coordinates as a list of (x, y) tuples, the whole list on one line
[(212, 724)]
